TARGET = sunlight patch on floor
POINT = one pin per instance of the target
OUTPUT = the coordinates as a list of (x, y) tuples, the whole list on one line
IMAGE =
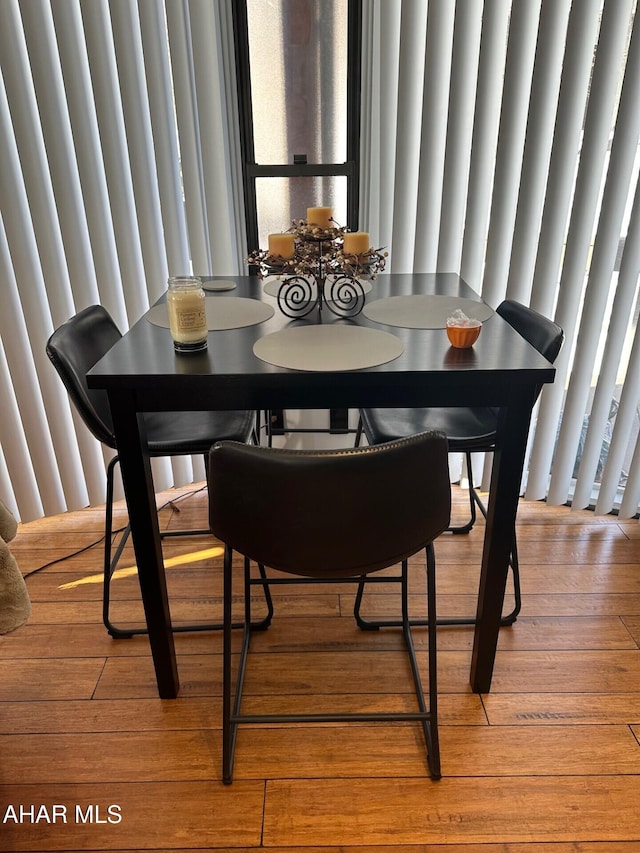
[(127, 571)]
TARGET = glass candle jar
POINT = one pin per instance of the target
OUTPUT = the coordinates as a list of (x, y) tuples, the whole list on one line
[(187, 314)]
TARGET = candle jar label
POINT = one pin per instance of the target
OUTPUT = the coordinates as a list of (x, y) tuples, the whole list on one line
[(190, 321)]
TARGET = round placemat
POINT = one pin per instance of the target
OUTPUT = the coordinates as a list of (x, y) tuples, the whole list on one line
[(273, 285), (223, 312), (423, 311), (218, 284), (328, 348)]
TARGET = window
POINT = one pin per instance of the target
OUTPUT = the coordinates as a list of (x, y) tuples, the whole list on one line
[(298, 68)]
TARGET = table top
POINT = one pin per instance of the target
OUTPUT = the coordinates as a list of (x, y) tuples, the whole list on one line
[(228, 375)]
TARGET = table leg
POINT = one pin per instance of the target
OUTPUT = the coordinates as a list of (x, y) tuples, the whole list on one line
[(506, 477), (137, 479)]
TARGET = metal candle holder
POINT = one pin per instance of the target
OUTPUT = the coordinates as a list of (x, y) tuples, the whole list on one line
[(319, 260)]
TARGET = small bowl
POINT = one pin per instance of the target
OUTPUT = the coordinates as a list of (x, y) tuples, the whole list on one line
[(463, 337)]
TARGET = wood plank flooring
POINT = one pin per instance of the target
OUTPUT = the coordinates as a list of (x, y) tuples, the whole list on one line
[(547, 762)]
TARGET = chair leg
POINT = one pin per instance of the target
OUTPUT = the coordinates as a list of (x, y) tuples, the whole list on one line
[(514, 565), (358, 437), (110, 567), (430, 720), (230, 715), (434, 752), (363, 624), (269, 426), (466, 528), (510, 618), (110, 564), (228, 731), (262, 582)]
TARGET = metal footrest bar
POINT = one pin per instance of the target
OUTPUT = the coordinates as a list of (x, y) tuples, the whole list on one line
[(165, 534), (508, 619), (408, 716), (442, 621), (474, 500)]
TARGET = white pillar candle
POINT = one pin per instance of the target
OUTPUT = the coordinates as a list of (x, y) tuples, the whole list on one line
[(320, 216), (356, 243), (281, 245)]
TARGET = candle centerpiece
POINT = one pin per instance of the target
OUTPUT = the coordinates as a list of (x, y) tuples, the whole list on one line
[(319, 263)]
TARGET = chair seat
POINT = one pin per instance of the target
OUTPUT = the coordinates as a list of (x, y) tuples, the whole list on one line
[(175, 433), (465, 428)]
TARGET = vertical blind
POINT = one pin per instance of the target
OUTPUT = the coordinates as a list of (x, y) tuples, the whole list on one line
[(499, 140), (506, 137), (117, 169)]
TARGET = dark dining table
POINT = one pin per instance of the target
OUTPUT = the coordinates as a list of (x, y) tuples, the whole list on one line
[(142, 373)]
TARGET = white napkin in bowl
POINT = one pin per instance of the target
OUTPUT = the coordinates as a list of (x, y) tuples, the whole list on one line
[(459, 318)]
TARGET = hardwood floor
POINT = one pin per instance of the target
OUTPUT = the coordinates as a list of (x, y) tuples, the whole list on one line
[(548, 762)]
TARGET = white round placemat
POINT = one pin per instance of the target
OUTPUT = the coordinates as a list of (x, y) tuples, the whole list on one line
[(328, 348), (273, 285), (423, 311), (218, 284), (223, 312)]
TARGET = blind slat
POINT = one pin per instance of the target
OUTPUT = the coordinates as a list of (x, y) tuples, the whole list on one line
[(554, 18), (188, 131), (209, 89), (511, 136), (165, 142), (464, 74), (630, 393), (625, 421), (17, 477), (631, 499), (434, 111), (493, 43), (387, 34), (407, 153)]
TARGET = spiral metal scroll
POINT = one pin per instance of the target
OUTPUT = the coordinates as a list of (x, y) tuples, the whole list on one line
[(345, 296), (296, 297)]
